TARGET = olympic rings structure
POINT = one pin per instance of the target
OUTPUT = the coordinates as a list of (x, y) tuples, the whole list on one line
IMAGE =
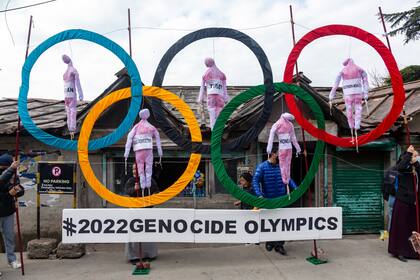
[(194, 145)]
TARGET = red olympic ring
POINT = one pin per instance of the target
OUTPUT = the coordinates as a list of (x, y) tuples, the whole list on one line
[(391, 65)]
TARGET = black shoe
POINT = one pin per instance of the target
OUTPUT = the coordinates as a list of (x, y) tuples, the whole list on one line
[(280, 249), (401, 258), (269, 247), (134, 261)]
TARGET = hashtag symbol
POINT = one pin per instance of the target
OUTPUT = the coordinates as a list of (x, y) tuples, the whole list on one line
[(69, 227)]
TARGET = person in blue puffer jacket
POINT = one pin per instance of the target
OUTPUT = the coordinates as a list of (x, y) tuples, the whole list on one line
[(267, 183)]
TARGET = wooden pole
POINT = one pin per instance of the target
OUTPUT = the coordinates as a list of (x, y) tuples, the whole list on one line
[(297, 81), (74, 188), (137, 181), (415, 183), (292, 23), (305, 151), (38, 208), (129, 32), (136, 174), (384, 26), (17, 158), (407, 129)]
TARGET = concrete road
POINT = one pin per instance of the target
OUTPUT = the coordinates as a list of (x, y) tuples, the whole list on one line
[(355, 257)]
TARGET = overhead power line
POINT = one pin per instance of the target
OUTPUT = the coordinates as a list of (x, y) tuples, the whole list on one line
[(28, 6), (190, 30)]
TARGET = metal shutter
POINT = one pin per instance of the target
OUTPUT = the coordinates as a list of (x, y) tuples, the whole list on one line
[(357, 189)]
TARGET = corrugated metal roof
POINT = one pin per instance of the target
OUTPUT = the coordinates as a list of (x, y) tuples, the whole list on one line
[(380, 102), (50, 114), (190, 93)]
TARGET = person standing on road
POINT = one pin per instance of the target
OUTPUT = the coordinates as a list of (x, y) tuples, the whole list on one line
[(267, 183), (404, 213), (245, 182), (149, 249), (8, 192), (390, 188)]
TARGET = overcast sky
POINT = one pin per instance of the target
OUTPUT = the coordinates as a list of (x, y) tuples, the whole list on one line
[(320, 61)]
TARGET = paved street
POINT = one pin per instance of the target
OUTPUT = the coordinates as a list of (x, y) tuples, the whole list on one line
[(355, 257)]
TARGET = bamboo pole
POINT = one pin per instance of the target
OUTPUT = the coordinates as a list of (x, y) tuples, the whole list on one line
[(129, 32), (384, 27), (305, 153), (17, 158)]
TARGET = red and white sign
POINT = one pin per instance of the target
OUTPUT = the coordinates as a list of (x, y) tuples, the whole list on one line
[(56, 171)]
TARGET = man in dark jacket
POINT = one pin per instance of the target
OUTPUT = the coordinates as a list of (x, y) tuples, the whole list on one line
[(8, 192), (267, 183)]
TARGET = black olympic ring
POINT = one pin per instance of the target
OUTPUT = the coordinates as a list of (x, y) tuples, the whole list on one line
[(244, 140)]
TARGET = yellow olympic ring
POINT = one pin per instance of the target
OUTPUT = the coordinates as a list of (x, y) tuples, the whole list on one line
[(158, 198)]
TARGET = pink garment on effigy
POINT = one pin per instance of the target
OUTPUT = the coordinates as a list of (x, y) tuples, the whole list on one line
[(141, 138), (355, 89), (285, 161), (72, 87), (144, 160), (354, 102), (285, 132), (213, 85)]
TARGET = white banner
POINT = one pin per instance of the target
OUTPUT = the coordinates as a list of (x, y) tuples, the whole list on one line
[(200, 226)]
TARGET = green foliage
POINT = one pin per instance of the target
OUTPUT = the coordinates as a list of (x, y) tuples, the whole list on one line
[(409, 74), (406, 23)]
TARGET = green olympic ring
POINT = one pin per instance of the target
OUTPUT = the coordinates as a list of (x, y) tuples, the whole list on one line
[(216, 145)]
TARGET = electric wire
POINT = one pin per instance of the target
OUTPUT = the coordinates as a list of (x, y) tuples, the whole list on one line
[(24, 7), (7, 24)]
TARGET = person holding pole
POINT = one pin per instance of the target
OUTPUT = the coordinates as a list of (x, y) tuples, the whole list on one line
[(404, 217), (8, 192)]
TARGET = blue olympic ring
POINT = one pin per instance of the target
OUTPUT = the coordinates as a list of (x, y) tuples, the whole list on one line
[(66, 144)]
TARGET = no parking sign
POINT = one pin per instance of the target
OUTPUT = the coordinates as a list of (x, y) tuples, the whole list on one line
[(56, 177)]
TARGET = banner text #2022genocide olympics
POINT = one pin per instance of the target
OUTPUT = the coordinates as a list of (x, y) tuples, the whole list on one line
[(200, 226)]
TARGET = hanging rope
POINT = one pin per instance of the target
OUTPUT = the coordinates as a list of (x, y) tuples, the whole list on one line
[(71, 50), (214, 50), (349, 56)]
